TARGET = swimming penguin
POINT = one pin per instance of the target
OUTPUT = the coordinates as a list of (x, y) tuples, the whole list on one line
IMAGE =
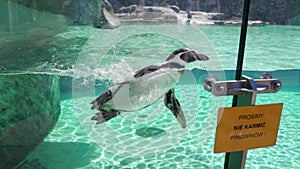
[(149, 85)]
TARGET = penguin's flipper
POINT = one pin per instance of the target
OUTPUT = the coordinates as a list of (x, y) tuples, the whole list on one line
[(173, 104), (104, 116)]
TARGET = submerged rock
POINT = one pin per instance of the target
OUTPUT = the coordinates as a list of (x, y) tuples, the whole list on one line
[(83, 12), (100, 14), (29, 109)]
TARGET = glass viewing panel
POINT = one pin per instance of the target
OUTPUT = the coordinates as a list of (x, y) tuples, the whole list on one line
[(58, 56)]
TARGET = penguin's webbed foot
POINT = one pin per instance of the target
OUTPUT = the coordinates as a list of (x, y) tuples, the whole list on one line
[(104, 116), (99, 118), (99, 101)]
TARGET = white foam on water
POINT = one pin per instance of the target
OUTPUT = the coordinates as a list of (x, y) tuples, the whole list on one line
[(117, 72)]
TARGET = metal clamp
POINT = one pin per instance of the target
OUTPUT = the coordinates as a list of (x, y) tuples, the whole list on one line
[(239, 87)]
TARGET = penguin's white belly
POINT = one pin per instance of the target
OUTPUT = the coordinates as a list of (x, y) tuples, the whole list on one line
[(142, 91)]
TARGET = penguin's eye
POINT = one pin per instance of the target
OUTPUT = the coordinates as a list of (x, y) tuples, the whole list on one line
[(187, 56)]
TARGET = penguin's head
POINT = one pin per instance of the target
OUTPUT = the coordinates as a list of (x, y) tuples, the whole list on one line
[(185, 56)]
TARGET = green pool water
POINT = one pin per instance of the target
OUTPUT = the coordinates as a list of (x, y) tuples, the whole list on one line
[(68, 145), (76, 143)]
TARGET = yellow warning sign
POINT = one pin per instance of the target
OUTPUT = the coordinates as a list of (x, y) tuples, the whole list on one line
[(247, 127)]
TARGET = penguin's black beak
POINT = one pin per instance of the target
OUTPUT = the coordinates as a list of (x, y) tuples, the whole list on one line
[(201, 57)]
